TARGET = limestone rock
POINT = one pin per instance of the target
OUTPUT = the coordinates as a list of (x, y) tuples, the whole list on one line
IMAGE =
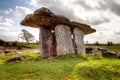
[(108, 53), (64, 40), (86, 28), (44, 17), (79, 35), (91, 50), (118, 54)]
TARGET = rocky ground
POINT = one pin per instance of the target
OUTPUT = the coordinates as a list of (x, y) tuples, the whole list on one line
[(12, 49)]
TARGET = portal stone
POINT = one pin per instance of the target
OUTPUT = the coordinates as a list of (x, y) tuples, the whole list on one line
[(64, 40), (79, 35), (47, 44)]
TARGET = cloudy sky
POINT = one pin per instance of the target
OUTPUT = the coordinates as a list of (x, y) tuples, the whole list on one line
[(102, 15)]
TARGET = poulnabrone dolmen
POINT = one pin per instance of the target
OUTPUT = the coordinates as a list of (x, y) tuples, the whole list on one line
[(58, 35)]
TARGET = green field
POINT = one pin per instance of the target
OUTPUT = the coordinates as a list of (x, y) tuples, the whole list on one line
[(65, 67)]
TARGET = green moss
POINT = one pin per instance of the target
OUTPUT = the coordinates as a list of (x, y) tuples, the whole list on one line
[(105, 69)]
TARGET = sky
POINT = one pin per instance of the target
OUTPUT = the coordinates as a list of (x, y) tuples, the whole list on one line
[(102, 15)]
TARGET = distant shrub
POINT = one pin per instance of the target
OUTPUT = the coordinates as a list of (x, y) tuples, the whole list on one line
[(7, 44), (14, 43), (109, 43), (97, 43), (2, 42)]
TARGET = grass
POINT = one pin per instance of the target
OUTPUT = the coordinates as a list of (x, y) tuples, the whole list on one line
[(29, 45), (65, 67), (59, 68), (38, 70)]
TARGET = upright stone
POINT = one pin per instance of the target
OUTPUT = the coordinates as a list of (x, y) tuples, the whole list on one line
[(47, 46), (64, 40), (79, 35)]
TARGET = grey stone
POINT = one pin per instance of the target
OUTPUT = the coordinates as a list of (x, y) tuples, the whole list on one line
[(118, 54), (79, 35), (64, 40)]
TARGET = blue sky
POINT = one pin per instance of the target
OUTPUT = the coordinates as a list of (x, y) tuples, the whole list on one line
[(6, 4), (102, 15)]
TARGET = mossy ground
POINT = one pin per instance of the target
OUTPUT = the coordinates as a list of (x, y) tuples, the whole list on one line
[(65, 67)]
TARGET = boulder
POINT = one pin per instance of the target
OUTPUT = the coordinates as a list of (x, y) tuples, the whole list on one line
[(89, 50), (102, 50), (9, 51), (118, 54), (108, 53), (14, 59)]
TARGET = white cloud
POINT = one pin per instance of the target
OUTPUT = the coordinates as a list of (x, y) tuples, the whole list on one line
[(1, 18), (93, 3), (9, 21), (6, 25), (9, 11), (103, 15), (9, 36), (117, 1), (77, 10), (22, 11)]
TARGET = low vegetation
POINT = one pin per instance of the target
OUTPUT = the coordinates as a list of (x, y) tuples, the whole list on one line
[(59, 68), (65, 67), (18, 45)]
